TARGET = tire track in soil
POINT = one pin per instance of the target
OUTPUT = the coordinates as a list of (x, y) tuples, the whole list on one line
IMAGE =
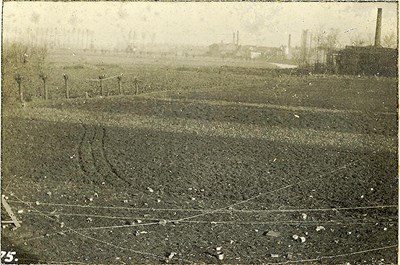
[(86, 159), (90, 157), (95, 150), (106, 159)]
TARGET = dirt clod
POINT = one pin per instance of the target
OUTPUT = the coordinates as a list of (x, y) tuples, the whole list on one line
[(304, 216), (272, 234), (162, 222)]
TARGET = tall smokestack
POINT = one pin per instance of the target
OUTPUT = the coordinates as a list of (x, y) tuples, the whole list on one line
[(378, 28), (234, 39), (289, 41), (237, 38), (304, 39)]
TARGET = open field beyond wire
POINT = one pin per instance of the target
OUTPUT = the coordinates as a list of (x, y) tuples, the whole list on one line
[(191, 166)]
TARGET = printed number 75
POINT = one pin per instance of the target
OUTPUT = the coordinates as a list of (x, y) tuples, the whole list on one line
[(9, 255)]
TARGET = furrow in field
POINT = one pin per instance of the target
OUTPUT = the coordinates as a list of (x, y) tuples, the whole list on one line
[(159, 96), (107, 162), (93, 160), (102, 171), (86, 158)]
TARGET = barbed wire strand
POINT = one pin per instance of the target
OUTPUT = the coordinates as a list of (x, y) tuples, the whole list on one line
[(290, 222), (269, 192), (307, 260), (116, 217), (237, 223), (208, 210), (336, 256), (98, 240), (103, 79), (304, 260), (9, 183), (311, 223), (252, 198)]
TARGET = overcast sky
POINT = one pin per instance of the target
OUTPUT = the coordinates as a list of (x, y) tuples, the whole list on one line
[(266, 24)]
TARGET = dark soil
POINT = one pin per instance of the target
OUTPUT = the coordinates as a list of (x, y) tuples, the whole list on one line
[(84, 176)]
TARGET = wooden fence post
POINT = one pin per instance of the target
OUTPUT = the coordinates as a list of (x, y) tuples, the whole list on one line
[(44, 78), (18, 78), (10, 212), (119, 78), (101, 77), (66, 85)]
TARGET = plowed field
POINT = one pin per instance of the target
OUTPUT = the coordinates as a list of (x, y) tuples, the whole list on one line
[(300, 174)]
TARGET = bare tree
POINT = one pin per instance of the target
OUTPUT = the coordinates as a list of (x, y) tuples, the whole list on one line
[(390, 40), (325, 41), (358, 42), (24, 61), (362, 40), (329, 40)]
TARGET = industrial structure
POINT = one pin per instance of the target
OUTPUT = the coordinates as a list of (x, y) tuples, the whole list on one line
[(320, 52), (247, 52), (369, 60)]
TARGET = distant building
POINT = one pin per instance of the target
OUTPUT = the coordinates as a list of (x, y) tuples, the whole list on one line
[(368, 60), (245, 51), (255, 54), (222, 49)]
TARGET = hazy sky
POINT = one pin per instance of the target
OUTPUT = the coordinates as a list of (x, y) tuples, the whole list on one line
[(266, 24)]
